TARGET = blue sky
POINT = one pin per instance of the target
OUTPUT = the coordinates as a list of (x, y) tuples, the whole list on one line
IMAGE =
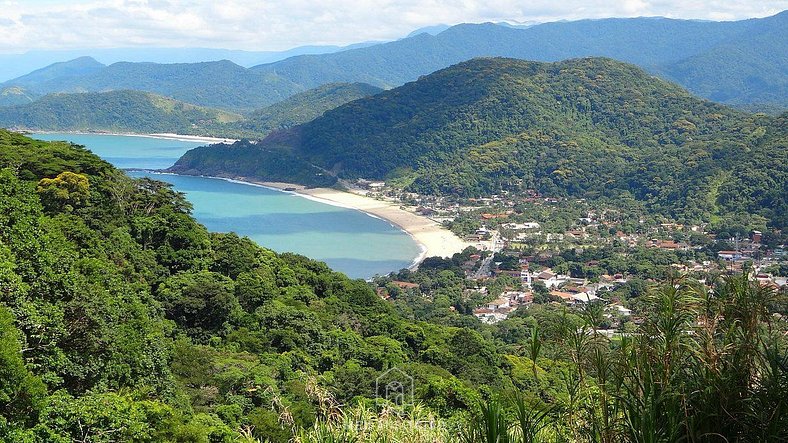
[(282, 24)]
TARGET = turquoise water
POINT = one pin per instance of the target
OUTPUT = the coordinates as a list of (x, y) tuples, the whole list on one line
[(128, 152), (349, 241)]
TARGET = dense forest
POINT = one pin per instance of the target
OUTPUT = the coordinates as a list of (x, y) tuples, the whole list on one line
[(586, 127), (298, 109), (118, 111), (249, 160), (122, 319)]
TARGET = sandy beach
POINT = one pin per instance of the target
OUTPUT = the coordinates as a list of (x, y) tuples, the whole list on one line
[(434, 239), (190, 138), (164, 135)]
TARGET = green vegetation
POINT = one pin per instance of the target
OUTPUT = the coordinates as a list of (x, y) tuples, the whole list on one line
[(585, 128), (734, 72), (15, 95), (141, 112), (122, 319), (120, 111), (245, 159), (303, 107)]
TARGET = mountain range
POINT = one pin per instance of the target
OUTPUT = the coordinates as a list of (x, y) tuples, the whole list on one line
[(590, 128), (15, 65), (741, 63)]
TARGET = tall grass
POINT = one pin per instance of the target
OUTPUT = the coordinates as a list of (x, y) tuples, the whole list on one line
[(361, 424)]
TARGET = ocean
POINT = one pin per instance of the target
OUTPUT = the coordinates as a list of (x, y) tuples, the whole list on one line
[(349, 241)]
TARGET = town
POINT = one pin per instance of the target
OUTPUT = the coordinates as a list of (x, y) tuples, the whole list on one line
[(531, 249)]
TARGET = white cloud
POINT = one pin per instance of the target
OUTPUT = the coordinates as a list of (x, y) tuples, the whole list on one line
[(281, 24)]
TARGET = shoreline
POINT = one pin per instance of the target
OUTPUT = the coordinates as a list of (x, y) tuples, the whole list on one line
[(432, 238), (162, 136)]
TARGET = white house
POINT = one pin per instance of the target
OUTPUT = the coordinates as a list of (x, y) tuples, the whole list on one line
[(550, 279), (622, 310), (729, 255), (499, 303), (584, 297)]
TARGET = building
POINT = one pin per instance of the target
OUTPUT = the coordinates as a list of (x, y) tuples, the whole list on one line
[(584, 297), (566, 297), (730, 255), (499, 303), (521, 226), (550, 279), (621, 310), (405, 285), (489, 316)]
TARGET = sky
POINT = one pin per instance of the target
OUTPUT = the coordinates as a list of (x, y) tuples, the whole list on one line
[(282, 24)]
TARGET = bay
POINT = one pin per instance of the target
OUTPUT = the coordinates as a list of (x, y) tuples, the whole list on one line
[(349, 241)]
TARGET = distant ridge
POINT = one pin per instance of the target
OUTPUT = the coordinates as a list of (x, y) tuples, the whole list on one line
[(220, 84), (656, 44), (431, 30), (16, 95), (60, 72), (15, 65), (741, 63)]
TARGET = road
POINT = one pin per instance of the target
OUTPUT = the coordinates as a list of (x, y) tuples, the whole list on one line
[(496, 245)]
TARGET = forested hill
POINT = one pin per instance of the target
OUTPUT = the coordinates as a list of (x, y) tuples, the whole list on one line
[(586, 127), (123, 319), (143, 112), (15, 95), (300, 108), (741, 63), (120, 111)]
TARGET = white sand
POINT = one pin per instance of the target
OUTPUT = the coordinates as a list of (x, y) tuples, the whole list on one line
[(191, 138), (166, 135), (434, 239)]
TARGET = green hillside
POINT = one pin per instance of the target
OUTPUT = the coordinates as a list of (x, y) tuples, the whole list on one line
[(302, 107), (737, 73), (142, 112), (119, 111), (123, 319), (588, 127), (16, 95)]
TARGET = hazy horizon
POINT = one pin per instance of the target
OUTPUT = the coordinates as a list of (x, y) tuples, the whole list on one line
[(286, 24)]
